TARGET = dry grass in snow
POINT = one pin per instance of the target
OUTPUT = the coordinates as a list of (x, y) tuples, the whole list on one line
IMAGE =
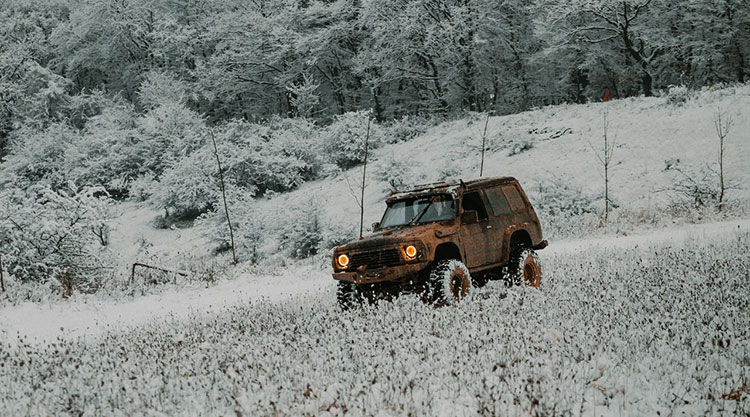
[(660, 330)]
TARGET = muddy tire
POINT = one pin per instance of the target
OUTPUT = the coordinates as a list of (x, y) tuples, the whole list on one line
[(346, 295), (449, 282), (524, 268)]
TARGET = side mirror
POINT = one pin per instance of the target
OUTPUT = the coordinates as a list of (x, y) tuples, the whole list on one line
[(375, 226), (469, 217)]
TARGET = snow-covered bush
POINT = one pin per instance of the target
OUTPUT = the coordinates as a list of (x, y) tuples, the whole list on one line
[(301, 232), (404, 129), (395, 174), (699, 187), (679, 95), (190, 187), (55, 237), (167, 134), (276, 156), (38, 157), (343, 140), (248, 223), (519, 147), (109, 151), (557, 198)]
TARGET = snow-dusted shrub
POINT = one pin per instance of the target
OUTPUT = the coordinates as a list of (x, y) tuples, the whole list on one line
[(110, 151), (291, 152), (141, 187), (405, 129), (248, 223), (395, 174), (160, 87), (700, 187), (343, 140), (190, 187), (518, 147), (37, 156), (277, 156), (679, 95), (55, 237), (300, 231), (167, 134), (557, 198)]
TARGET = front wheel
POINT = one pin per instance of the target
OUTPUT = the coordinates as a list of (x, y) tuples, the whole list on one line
[(449, 282), (524, 268), (347, 295)]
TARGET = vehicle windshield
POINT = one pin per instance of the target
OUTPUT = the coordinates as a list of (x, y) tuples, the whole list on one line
[(419, 210)]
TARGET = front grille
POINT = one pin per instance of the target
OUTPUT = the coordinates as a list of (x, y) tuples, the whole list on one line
[(376, 258)]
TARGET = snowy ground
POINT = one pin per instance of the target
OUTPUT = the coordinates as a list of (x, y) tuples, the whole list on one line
[(86, 318), (661, 329)]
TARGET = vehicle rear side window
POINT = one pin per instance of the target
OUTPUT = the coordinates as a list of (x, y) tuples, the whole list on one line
[(514, 197), (472, 201), (498, 201)]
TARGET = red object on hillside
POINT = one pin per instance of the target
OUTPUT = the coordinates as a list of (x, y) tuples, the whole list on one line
[(606, 97)]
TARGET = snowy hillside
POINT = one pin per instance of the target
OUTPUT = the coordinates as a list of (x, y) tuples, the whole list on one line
[(648, 131), (652, 137)]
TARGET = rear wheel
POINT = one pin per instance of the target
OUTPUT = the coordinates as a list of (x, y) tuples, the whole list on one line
[(524, 268), (449, 282), (346, 295)]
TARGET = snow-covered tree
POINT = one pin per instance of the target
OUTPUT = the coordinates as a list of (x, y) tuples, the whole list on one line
[(55, 237)]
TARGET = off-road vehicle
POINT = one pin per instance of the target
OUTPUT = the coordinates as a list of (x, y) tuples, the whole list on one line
[(441, 239)]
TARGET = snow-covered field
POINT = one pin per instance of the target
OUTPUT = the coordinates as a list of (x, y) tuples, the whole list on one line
[(657, 323)]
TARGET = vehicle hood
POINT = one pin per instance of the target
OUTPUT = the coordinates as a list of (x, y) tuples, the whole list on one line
[(392, 237)]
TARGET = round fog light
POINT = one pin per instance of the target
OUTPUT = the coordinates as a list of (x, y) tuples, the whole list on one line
[(410, 251), (343, 260)]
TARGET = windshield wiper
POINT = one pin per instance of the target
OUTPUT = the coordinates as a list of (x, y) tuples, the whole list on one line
[(421, 213)]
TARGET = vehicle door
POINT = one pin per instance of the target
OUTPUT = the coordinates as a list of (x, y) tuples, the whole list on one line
[(475, 235), (518, 211), (502, 217)]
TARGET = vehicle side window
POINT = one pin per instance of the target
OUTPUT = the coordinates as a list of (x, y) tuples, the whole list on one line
[(498, 202), (473, 201), (514, 197)]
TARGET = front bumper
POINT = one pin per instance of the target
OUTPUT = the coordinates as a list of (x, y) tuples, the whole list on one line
[(389, 273)]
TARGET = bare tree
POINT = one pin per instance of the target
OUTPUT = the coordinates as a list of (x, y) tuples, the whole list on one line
[(364, 172), (605, 159), (618, 23), (722, 123), (484, 134), (224, 197), (2, 281)]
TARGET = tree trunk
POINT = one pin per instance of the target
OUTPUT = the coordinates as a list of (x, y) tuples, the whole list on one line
[(224, 197), (2, 281), (647, 84)]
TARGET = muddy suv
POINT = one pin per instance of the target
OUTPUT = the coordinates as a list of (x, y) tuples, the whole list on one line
[(441, 239)]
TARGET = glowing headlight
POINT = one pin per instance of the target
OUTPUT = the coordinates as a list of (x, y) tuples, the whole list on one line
[(343, 260), (410, 251)]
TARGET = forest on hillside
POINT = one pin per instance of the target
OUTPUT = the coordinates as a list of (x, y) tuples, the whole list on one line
[(251, 60)]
